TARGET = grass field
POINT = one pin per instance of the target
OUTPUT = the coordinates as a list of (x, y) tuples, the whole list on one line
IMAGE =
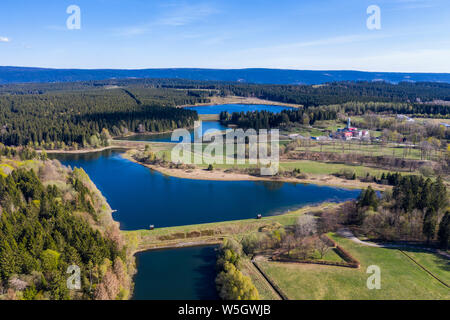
[(400, 277), (371, 149), (314, 167), (436, 265)]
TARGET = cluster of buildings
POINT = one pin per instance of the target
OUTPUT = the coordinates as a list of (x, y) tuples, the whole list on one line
[(350, 132), (346, 133)]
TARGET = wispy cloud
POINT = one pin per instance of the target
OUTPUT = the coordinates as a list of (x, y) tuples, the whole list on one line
[(173, 15), (4, 39), (132, 30), (187, 14), (56, 27), (416, 4), (338, 40)]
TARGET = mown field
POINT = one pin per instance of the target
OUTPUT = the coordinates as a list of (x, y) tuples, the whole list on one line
[(327, 168), (400, 277)]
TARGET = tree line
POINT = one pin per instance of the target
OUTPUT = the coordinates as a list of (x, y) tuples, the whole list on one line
[(77, 118)]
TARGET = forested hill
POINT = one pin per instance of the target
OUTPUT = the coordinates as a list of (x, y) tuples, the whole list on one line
[(52, 218), (258, 76)]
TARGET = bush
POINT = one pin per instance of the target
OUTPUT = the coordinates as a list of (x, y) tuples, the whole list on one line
[(231, 283), (193, 234), (346, 174)]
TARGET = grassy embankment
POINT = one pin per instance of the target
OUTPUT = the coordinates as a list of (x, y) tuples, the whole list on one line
[(142, 240)]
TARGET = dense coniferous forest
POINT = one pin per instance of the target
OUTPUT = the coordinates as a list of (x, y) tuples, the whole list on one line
[(341, 92), (87, 118), (265, 120)]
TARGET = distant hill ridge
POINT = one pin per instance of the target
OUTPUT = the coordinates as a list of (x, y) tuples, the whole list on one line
[(259, 76)]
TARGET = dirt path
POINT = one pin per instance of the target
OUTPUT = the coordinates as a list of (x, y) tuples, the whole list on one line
[(346, 233)]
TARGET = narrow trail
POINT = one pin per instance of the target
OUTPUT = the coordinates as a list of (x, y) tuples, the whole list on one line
[(132, 96)]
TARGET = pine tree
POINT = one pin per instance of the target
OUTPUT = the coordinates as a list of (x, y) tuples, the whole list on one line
[(444, 231), (429, 224), (439, 194)]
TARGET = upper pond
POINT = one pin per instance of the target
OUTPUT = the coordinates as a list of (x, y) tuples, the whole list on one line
[(208, 125), (143, 197), (230, 108)]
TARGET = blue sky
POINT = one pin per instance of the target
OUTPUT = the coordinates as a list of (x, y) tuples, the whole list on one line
[(300, 34)]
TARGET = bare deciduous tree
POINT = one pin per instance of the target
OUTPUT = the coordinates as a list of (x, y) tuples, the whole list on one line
[(289, 243), (306, 226), (321, 247)]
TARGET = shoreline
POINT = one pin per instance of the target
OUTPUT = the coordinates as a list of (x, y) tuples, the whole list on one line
[(220, 175), (240, 100), (80, 151)]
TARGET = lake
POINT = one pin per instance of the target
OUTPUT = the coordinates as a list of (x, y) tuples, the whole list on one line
[(230, 108), (143, 197), (176, 274)]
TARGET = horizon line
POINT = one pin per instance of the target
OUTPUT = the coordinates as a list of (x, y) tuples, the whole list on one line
[(223, 69)]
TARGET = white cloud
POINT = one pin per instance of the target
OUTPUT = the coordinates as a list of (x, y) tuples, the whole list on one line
[(187, 14), (333, 41), (132, 30), (174, 16), (416, 4), (4, 39)]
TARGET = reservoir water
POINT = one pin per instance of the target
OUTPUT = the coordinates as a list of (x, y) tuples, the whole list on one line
[(230, 108), (208, 125), (143, 197), (176, 274)]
